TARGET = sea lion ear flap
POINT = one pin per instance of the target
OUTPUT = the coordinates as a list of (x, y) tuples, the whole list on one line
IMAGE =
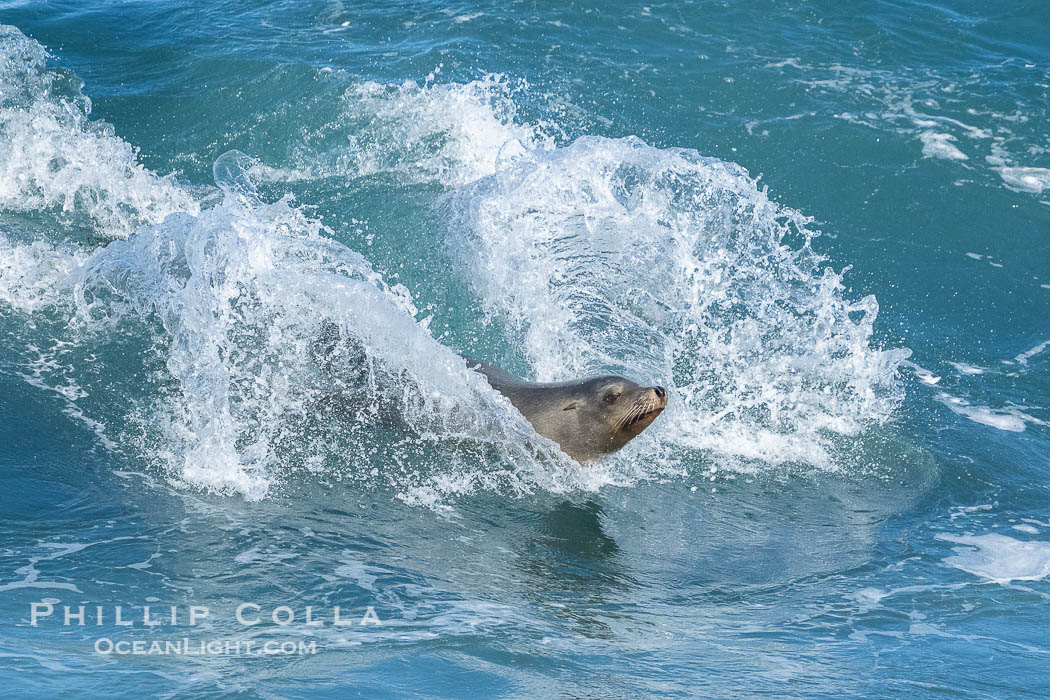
[(570, 407)]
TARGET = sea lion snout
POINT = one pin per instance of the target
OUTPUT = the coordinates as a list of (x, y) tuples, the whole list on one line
[(653, 398), (645, 404)]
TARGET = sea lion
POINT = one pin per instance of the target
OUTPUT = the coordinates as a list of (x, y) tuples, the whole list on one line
[(588, 418)]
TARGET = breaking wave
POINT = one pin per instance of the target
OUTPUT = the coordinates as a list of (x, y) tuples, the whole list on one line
[(233, 342)]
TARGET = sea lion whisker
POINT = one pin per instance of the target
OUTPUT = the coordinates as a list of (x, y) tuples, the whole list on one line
[(643, 408), (637, 411), (625, 418)]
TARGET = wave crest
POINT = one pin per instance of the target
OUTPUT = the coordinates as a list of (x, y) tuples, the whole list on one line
[(53, 158), (610, 254)]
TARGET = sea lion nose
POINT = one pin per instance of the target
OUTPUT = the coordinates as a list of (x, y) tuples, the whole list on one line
[(660, 392)]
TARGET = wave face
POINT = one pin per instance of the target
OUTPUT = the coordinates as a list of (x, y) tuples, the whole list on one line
[(245, 343)]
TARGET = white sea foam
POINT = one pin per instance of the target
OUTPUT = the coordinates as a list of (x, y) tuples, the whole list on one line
[(787, 62), (964, 511), (924, 375), (938, 145), (1021, 179), (1024, 357), (871, 598), (999, 558), (1009, 419), (923, 106)]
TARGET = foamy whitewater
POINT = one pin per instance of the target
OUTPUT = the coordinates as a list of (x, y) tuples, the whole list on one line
[(237, 269)]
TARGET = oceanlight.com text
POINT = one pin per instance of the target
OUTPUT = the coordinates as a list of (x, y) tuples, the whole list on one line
[(204, 647)]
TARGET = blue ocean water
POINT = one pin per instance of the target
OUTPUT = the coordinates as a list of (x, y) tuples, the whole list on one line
[(822, 225)]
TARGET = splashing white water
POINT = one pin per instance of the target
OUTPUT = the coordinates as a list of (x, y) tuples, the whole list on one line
[(236, 301), (31, 273), (614, 255), (448, 133), (244, 293), (53, 158)]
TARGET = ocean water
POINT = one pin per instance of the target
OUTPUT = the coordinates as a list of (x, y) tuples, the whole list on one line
[(824, 226)]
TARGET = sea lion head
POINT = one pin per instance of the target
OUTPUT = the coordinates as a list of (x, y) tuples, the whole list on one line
[(588, 418), (612, 410)]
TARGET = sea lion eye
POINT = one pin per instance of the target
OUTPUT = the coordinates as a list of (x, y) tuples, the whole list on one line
[(612, 396)]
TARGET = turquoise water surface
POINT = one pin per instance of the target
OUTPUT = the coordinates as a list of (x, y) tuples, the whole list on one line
[(824, 226)]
